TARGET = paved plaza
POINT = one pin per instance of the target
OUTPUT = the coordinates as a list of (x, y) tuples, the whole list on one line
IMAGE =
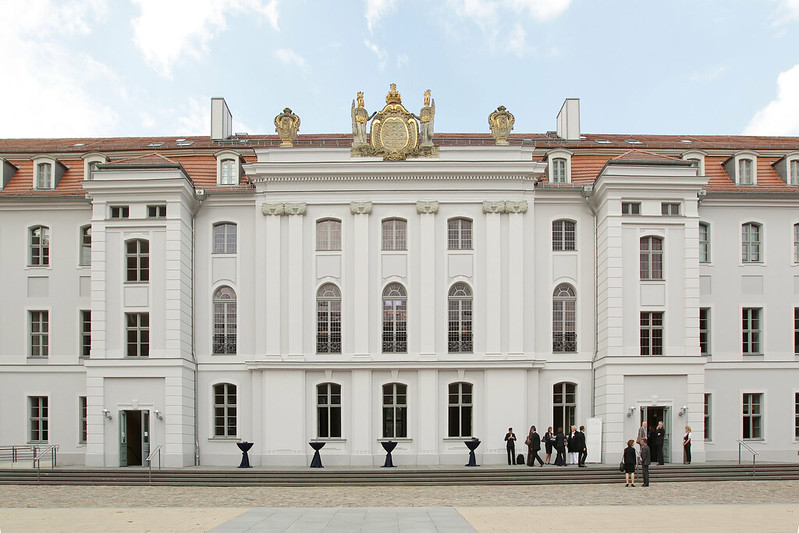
[(761, 506)]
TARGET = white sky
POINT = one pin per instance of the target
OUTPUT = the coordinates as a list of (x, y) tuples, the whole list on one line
[(150, 67)]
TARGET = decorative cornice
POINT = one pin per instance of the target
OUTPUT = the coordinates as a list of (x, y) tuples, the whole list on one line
[(516, 206), (493, 207), (427, 207), (361, 208), (284, 209)]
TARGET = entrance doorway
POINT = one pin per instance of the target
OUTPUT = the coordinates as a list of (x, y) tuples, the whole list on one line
[(134, 437), (653, 415)]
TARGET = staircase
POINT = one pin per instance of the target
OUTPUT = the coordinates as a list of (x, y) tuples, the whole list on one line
[(335, 476)]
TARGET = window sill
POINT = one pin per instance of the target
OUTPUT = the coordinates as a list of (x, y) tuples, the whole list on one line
[(329, 439), (458, 439), (38, 359), (224, 439), (398, 439)]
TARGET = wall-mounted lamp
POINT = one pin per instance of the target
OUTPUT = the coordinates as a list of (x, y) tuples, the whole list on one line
[(630, 411), (158, 414), (107, 414), (683, 409)]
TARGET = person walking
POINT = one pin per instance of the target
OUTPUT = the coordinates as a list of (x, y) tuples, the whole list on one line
[(642, 433), (533, 447), (581, 448), (560, 448), (548, 440), (646, 459), (629, 463), (686, 446), (510, 439)]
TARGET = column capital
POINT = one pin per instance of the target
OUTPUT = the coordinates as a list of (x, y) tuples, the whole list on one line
[(361, 208), (273, 209), (516, 206), (493, 207), (427, 207), (298, 208)]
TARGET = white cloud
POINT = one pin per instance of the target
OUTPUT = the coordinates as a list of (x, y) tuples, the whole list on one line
[(290, 57), (789, 11), (375, 10), (540, 9), (49, 89), (402, 60), (781, 115), (165, 32), (381, 54), (709, 75)]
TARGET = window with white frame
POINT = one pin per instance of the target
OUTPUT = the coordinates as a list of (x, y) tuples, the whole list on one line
[(120, 211), (459, 234), (225, 238), (460, 319), (563, 235), (395, 411), (225, 410), (328, 411), (156, 211), (328, 319), (459, 412), (631, 208), (44, 176), (395, 319), (670, 209), (558, 174), (328, 235), (85, 246), (652, 333), (137, 261), (564, 405), (39, 246), (796, 330), (751, 329), (796, 243), (746, 173), (796, 415), (228, 172), (39, 419), (752, 415), (751, 240), (704, 242), (651, 258), (225, 315), (394, 234), (794, 172), (704, 331), (85, 333), (707, 417), (83, 427), (137, 328), (39, 327), (564, 330)]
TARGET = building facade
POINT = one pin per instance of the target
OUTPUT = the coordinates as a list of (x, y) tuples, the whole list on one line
[(193, 293)]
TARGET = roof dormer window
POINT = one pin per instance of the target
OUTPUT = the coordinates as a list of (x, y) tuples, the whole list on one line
[(44, 176), (788, 168), (228, 168), (745, 172), (742, 167), (90, 162), (559, 166), (698, 156), (47, 173), (794, 172)]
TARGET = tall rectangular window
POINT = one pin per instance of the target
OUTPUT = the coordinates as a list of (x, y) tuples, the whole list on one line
[(796, 330), (459, 234), (44, 176), (745, 176), (39, 246), (328, 411), (652, 333), (796, 415), (39, 420), (752, 416), (225, 238), (708, 411), (85, 333), (137, 260), (227, 171), (751, 329), (225, 410), (704, 243), (395, 411), (394, 234), (651, 258), (794, 178), (459, 415), (83, 427), (704, 330), (796, 243), (395, 319), (562, 235), (138, 334), (39, 333), (750, 242), (85, 246), (559, 170), (328, 235)]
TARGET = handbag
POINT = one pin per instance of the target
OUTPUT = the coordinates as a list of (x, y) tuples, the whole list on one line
[(527, 441), (621, 466)]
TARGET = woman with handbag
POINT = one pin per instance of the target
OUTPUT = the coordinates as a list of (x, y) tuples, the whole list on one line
[(549, 439), (628, 462)]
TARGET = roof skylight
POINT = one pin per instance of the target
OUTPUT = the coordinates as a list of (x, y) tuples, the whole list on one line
[(155, 145)]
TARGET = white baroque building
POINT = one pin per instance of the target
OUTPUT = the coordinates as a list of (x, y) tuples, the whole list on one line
[(194, 293)]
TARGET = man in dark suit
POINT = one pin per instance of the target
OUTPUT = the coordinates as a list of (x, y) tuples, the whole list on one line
[(660, 434), (535, 447), (510, 439), (645, 460), (560, 447), (583, 451)]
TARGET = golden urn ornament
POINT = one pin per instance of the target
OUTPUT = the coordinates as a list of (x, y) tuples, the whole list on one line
[(501, 123), (287, 124)]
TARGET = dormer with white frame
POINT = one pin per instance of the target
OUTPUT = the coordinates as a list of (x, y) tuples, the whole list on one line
[(47, 172), (559, 166), (788, 168), (228, 168), (698, 156), (742, 167), (90, 161)]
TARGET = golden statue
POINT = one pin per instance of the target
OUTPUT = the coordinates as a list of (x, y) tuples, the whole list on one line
[(501, 123), (426, 116), (360, 116), (287, 124)]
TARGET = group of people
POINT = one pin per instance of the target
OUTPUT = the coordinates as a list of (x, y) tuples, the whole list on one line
[(574, 442), (647, 454)]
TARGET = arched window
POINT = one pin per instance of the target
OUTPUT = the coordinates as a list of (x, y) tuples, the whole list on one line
[(85, 245), (394, 234), (651, 258), (564, 332), (460, 319), (227, 172), (328, 235), (137, 260), (704, 242), (40, 246), (395, 319), (751, 239), (564, 405), (225, 410), (328, 319), (558, 170), (562, 235), (225, 321), (459, 413), (459, 234), (328, 411), (225, 238), (395, 411)]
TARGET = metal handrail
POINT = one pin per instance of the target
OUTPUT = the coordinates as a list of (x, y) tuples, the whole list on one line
[(15, 450), (149, 460), (52, 449), (754, 453)]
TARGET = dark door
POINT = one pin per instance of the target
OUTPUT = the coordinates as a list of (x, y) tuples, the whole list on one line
[(131, 438), (656, 414)]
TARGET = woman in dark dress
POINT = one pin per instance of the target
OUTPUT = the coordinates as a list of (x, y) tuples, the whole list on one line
[(560, 447), (629, 463), (548, 438), (686, 446)]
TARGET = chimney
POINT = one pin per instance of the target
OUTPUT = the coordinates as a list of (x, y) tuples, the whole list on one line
[(569, 120), (221, 120)]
